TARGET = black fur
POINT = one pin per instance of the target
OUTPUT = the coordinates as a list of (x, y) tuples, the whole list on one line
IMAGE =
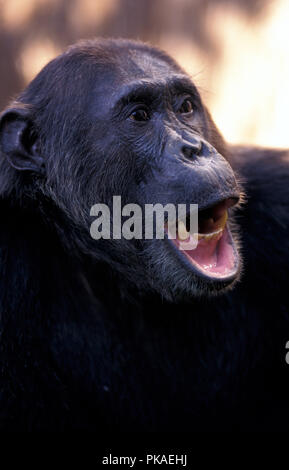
[(118, 336)]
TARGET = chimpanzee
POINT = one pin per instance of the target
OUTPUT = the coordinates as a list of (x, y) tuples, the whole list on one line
[(136, 334)]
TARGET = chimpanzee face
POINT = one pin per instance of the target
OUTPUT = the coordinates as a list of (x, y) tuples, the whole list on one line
[(113, 118)]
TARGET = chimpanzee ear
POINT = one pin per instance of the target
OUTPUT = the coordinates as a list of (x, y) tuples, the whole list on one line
[(19, 142)]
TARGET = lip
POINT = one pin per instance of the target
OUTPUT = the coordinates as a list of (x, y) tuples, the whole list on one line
[(234, 195)]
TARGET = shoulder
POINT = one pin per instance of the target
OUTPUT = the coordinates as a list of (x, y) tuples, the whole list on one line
[(264, 175), (264, 217), (264, 172)]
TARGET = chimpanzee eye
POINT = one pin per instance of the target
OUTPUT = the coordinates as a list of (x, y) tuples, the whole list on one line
[(139, 115), (186, 107)]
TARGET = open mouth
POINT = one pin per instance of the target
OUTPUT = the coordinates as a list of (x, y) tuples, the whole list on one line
[(215, 256)]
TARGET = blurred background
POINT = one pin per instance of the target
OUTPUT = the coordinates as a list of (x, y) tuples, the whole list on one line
[(236, 51)]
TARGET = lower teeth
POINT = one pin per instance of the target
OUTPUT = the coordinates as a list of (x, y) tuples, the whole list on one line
[(209, 236), (183, 234)]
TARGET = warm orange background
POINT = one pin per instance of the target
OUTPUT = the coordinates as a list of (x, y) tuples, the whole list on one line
[(237, 51)]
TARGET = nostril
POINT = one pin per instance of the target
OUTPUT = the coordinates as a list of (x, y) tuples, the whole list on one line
[(187, 151), (191, 150)]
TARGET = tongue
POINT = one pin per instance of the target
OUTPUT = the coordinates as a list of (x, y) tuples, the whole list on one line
[(205, 254), (214, 256)]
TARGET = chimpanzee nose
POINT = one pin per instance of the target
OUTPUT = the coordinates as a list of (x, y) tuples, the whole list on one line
[(191, 149)]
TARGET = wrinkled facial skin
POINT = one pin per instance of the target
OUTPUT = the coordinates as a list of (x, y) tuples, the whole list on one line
[(122, 118), (161, 154)]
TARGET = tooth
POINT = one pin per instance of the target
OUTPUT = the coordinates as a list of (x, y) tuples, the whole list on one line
[(183, 234), (209, 236), (223, 220)]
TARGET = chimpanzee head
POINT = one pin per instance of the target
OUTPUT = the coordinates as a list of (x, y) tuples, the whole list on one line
[(117, 117)]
